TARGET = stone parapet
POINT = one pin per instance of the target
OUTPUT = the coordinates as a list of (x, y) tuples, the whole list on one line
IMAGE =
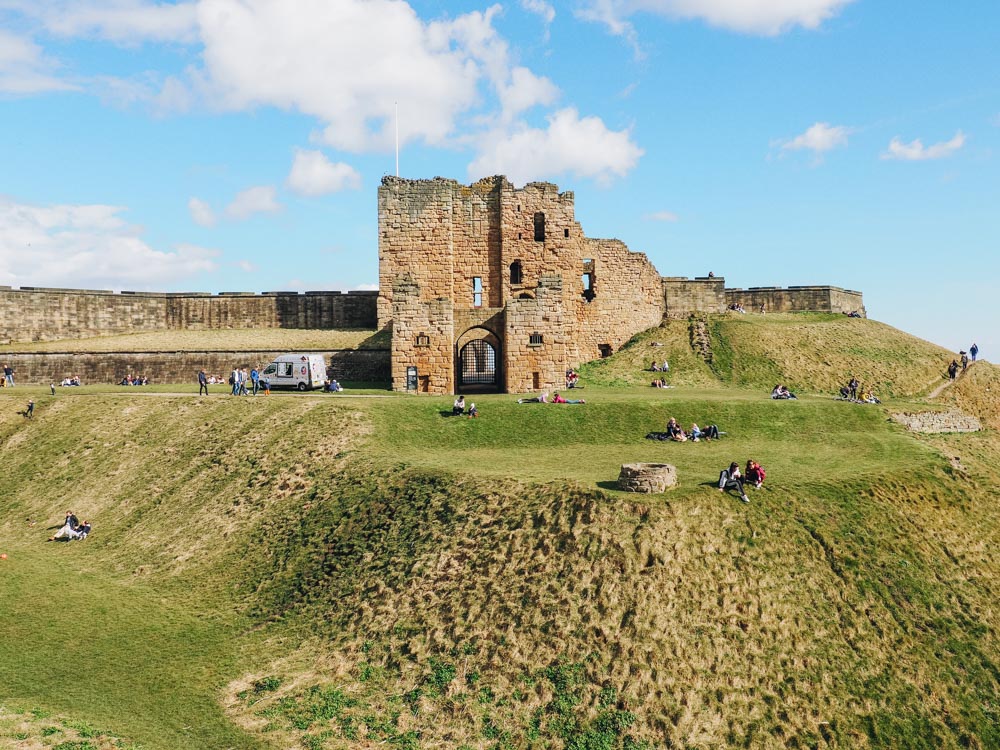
[(47, 314), (816, 298)]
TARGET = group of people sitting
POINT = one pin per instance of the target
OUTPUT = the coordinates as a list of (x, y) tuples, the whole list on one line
[(332, 386), (458, 408), (677, 434), (72, 529), (660, 383), (732, 479), (737, 307), (543, 398), (71, 380), (137, 380), (572, 378), (852, 392), (781, 391), (853, 314), (654, 367)]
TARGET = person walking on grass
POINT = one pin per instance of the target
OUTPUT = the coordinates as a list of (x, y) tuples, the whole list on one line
[(255, 380), (731, 479), (29, 412), (973, 352), (202, 383)]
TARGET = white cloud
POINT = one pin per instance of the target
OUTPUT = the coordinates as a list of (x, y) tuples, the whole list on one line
[(524, 91), (259, 53), (87, 246), (766, 17), (916, 151), (582, 147), (313, 174), (201, 212), (24, 69), (125, 22), (247, 266), (669, 216), (256, 200), (540, 8), (819, 138)]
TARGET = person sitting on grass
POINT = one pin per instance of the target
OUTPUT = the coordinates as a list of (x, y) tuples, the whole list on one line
[(871, 398), (731, 479), (674, 431), (69, 528), (755, 474), (557, 399), (781, 392), (459, 407), (473, 411), (654, 367)]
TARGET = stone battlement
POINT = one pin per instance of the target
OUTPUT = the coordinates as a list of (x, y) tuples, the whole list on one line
[(47, 313)]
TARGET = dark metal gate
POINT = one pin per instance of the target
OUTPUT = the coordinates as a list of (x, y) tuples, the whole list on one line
[(478, 364)]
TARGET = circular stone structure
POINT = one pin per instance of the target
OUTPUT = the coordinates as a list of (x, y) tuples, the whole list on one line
[(649, 478)]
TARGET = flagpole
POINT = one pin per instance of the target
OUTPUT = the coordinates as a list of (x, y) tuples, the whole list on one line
[(397, 137)]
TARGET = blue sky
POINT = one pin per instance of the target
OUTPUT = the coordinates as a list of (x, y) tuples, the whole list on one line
[(237, 145)]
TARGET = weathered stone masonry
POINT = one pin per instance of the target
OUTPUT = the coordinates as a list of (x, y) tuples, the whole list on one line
[(40, 314)]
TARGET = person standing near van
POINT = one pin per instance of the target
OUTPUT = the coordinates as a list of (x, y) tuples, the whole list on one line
[(255, 379)]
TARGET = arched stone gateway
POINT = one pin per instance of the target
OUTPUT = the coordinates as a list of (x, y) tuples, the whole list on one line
[(478, 362)]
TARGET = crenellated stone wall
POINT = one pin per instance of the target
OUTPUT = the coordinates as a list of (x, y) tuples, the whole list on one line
[(702, 294), (43, 314), (798, 299)]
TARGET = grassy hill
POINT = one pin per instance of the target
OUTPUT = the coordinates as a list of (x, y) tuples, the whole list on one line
[(807, 351), (326, 572)]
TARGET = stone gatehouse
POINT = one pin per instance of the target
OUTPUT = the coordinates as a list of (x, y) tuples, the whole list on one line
[(487, 287)]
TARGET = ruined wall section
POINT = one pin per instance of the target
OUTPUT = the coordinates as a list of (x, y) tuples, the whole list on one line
[(537, 365), (559, 248), (423, 336), (43, 314), (627, 298), (476, 244), (797, 299), (416, 224), (702, 294)]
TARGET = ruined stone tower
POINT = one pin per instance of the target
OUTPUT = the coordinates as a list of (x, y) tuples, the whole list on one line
[(488, 287)]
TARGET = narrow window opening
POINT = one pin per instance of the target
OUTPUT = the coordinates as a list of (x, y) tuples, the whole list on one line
[(423, 339), (536, 381), (605, 350), (588, 286), (566, 233), (516, 275), (477, 291), (539, 227), (519, 236), (535, 339)]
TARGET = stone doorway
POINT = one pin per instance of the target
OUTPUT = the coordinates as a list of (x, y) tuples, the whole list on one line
[(479, 367)]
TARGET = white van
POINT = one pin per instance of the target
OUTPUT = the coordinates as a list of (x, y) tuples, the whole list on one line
[(302, 371)]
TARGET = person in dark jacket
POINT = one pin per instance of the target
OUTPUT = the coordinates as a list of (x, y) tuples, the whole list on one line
[(69, 527), (731, 479), (202, 382), (953, 369)]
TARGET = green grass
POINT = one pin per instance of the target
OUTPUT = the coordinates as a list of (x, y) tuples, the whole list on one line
[(325, 571)]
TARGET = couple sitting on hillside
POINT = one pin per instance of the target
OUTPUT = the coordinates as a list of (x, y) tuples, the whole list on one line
[(676, 433), (732, 479), (458, 408), (781, 392), (72, 529)]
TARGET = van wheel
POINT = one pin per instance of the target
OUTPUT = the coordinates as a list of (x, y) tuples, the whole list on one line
[(302, 386)]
